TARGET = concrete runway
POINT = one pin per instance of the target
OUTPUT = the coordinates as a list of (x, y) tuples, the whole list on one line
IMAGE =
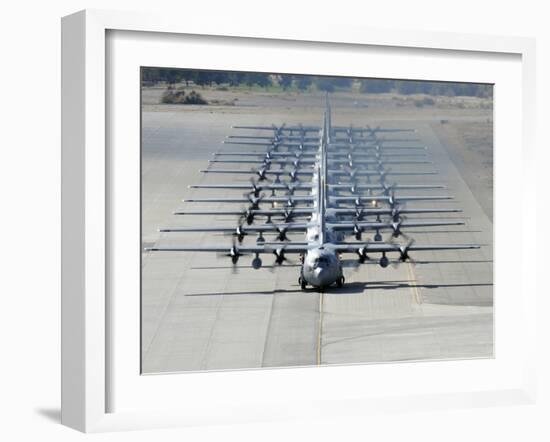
[(198, 315)]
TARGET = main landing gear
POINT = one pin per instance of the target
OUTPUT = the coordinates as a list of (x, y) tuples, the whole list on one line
[(303, 283)]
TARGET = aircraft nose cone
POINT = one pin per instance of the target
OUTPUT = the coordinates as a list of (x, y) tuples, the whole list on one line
[(322, 277)]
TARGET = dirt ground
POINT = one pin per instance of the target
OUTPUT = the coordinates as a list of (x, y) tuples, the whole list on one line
[(470, 146)]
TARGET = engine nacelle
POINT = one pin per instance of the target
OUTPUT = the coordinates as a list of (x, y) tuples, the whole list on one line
[(279, 256), (384, 261), (256, 263)]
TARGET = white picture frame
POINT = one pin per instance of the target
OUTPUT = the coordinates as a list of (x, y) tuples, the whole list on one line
[(86, 202)]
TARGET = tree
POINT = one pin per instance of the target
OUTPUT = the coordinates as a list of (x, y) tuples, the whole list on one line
[(203, 78), (253, 78), (324, 84), (236, 78), (219, 77), (285, 81), (376, 86), (342, 82), (303, 82)]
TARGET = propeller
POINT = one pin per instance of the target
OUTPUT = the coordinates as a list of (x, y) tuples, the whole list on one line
[(279, 256), (290, 188), (288, 214), (391, 199), (396, 226), (388, 189), (382, 175), (255, 188), (290, 202), (293, 174), (248, 216), (254, 200), (396, 229), (234, 254), (281, 233), (357, 231), (404, 252), (362, 253), (262, 174), (240, 233)]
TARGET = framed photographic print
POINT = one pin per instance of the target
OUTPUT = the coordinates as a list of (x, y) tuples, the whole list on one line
[(302, 184), (274, 223)]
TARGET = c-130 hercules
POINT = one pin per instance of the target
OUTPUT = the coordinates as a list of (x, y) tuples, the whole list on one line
[(325, 158)]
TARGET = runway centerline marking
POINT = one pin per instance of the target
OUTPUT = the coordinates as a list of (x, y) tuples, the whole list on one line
[(412, 279), (320, 331)]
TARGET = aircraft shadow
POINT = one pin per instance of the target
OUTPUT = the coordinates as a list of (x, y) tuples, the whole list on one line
[(360, 287), (256, 292), (349, 288)]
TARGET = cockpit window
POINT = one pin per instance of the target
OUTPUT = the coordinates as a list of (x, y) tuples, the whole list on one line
[(321, 261)]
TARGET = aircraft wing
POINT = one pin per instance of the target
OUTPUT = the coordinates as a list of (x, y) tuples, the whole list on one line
[(273, 186), (267, 248), (304, 211), (263, 171), (281, 128), (290, 227), (345, 226), (368, 129), (388, 198), (340, 172), (378, 211), (373, 247), (267, 199), (290, 161)]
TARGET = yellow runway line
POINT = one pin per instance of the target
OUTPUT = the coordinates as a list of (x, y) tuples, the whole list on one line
[(320, 332), (412, 279)]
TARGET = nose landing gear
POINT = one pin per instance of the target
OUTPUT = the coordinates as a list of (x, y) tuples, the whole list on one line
[(302, 282), (340, 282)]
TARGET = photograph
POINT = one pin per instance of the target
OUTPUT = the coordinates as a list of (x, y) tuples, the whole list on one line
[(292, 220)]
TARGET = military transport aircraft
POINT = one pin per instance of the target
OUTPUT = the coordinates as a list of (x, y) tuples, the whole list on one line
[(336, 204)]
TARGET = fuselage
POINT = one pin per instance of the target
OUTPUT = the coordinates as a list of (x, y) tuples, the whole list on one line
[(321, 265)]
